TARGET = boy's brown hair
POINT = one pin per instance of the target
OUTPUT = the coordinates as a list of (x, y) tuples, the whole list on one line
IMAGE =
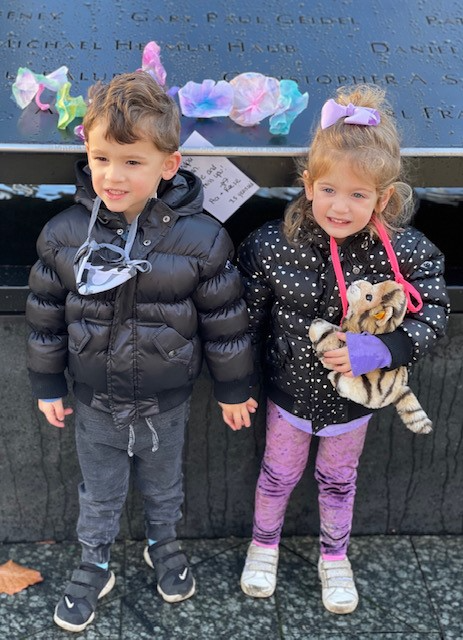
[(134, 107)]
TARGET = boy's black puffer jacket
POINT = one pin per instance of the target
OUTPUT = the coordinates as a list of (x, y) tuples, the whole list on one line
[(136, 350)]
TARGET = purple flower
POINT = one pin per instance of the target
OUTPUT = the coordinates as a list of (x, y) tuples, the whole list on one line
[(79, 131), (206, 100)]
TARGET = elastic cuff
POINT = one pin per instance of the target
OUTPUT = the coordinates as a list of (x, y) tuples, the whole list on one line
[(333, 557), (265, 546), (233, 392), (48, 385), (160, 532)]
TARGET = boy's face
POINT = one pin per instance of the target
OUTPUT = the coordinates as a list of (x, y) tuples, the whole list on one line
[(125, 176), (342, 201)]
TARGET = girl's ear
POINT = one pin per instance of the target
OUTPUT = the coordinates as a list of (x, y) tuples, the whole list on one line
[(308, 185), (171, 165), (384, 199)]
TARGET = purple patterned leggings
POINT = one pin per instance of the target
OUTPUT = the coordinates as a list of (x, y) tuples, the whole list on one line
[(285, 458)]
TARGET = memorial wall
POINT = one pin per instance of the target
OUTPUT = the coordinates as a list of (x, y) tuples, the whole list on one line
[(414, 50)]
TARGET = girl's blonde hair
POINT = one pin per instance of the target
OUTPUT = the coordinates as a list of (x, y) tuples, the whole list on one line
[(372, 151)]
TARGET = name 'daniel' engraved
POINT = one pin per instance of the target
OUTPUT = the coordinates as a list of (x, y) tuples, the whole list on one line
[(431, 48)]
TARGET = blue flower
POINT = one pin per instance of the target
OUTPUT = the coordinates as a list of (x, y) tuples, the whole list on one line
[(290, 104)]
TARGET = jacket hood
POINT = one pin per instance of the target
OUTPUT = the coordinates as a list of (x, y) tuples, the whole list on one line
[(183, 193)]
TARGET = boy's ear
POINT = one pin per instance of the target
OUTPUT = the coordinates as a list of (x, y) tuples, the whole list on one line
[(308, 185), (384, 199), (171, 165)]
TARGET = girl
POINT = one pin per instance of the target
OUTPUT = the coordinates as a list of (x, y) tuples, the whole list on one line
[(351, 185)]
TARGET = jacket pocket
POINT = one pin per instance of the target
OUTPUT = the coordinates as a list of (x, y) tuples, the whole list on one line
[(87, 353), (79, 336), (172, 346)]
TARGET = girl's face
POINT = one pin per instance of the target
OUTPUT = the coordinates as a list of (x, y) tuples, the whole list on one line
[(125, 176), (342, 201)]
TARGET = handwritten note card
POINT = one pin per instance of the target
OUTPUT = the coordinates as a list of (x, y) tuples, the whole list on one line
[(226, 188)]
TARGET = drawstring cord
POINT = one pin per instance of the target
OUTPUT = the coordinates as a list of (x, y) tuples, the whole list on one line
[(131, 441), (154, 438), (409, 289), (154, 435)]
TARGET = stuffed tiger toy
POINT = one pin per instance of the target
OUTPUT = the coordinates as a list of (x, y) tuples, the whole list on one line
[(375, 308)]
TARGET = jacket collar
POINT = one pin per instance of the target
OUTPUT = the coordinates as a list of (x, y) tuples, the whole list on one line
[(320, 239), (183, 196)]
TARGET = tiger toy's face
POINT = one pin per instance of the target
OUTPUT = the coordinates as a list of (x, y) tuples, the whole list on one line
[(375, 308)]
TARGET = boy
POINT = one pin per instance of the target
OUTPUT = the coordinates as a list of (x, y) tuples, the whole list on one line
[(132, 284)]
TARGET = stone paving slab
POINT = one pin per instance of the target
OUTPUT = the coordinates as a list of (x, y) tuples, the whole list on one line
[(410, 589)]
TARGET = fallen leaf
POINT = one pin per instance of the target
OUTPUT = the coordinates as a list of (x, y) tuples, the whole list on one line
[(15, 578)]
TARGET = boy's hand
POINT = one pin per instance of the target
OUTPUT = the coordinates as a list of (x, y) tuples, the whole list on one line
[(338, 359), (54, 412), (237, 415)]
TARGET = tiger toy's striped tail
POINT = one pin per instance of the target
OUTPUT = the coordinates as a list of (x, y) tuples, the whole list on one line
[(381, 388), (411, 412)]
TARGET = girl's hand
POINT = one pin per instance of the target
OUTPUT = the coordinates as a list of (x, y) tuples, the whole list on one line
[(54, 412), (237, 415), (338, 359)]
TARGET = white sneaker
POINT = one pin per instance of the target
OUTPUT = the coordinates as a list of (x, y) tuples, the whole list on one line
[(339, 594), (259, 577)]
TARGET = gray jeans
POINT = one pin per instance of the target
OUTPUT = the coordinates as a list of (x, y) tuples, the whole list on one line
[(153, 449)]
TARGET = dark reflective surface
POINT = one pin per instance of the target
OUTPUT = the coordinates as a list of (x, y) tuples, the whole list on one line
[(413, 48), (24, 209)]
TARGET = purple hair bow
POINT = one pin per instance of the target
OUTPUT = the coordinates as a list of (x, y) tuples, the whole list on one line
[(332, 112)]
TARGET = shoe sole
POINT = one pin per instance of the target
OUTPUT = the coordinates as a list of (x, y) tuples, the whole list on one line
[(256, 592), (177, 597), (340, 609), (165, 596), (80, 627)]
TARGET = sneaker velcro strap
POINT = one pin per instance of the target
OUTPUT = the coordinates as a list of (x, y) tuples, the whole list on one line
[(169, 555), (88, 578), (82, 591), (164, 548)]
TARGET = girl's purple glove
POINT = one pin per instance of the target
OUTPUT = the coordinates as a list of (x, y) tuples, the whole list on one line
[(366, 353)]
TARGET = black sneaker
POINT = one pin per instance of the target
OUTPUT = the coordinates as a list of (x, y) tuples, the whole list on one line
[(173, 573), (88, 584)]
